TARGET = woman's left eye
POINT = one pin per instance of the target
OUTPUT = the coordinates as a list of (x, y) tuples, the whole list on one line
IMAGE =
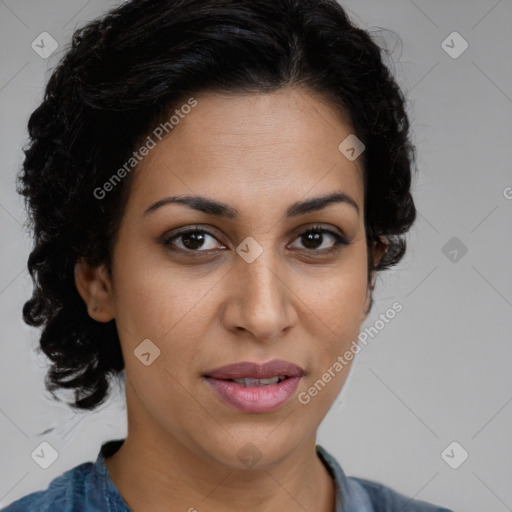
[(313, 239)]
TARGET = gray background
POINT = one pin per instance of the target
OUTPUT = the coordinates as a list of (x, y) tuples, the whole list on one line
[(439, 372)]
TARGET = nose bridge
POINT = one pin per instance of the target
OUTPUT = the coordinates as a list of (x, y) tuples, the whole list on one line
[(262, 303), (260, 283)]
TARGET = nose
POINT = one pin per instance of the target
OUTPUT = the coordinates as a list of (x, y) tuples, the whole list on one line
[(262, 300)]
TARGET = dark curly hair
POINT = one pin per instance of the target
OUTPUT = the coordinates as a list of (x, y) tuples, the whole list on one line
[(126, 70)]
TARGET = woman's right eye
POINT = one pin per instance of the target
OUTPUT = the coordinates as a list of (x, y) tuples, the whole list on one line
[(192, 240)]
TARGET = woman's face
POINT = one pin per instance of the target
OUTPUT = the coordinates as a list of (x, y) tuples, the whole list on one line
[(281, 295)]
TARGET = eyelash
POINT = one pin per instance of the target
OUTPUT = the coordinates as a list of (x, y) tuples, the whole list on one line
[(339, 240)]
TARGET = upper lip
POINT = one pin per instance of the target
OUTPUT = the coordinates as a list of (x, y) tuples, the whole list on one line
[(247, 369)]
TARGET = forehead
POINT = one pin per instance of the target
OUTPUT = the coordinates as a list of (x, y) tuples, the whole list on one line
[(244, 145)]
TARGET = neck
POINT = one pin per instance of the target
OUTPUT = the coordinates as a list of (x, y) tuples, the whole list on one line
[(150, 476)]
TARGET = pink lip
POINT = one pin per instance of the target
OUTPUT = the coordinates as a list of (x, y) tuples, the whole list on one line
[(256, 371), (255, 398)]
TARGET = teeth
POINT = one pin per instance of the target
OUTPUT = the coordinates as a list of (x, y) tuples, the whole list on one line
[(259, 382)]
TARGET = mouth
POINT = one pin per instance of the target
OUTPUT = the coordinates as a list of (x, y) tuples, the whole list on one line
[(276, 368), (253, 387), (251, 382)]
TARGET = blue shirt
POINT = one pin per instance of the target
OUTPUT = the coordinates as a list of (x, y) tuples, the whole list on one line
[(88, 488)]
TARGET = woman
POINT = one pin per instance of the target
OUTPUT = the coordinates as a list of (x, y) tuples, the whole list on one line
[(213, 185)]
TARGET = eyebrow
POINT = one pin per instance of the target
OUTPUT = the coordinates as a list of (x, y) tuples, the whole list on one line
[(209, 206)]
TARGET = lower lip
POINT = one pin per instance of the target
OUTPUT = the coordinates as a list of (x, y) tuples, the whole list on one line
[(255, 398)]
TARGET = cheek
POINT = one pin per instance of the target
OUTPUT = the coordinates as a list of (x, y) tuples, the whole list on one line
[(340, 310), (336, 310), (155, 298), (172, 308), (337, 297)]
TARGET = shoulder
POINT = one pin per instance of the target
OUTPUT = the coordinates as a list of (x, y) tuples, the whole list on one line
[(385, 499), (354, 494), (65, 493)]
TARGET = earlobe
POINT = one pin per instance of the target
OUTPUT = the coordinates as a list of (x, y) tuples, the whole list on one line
[(369, 298), (379, 248), (94, 286)]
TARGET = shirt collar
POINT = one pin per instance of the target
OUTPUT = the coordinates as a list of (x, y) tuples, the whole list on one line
[(112, 499), (350, 496)]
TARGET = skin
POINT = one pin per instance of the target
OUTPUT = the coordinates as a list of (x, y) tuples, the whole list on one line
[(258, 153)]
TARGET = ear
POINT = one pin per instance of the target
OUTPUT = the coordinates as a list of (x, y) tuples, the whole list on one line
[(94, 286), (379, 248), (369, 298)]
